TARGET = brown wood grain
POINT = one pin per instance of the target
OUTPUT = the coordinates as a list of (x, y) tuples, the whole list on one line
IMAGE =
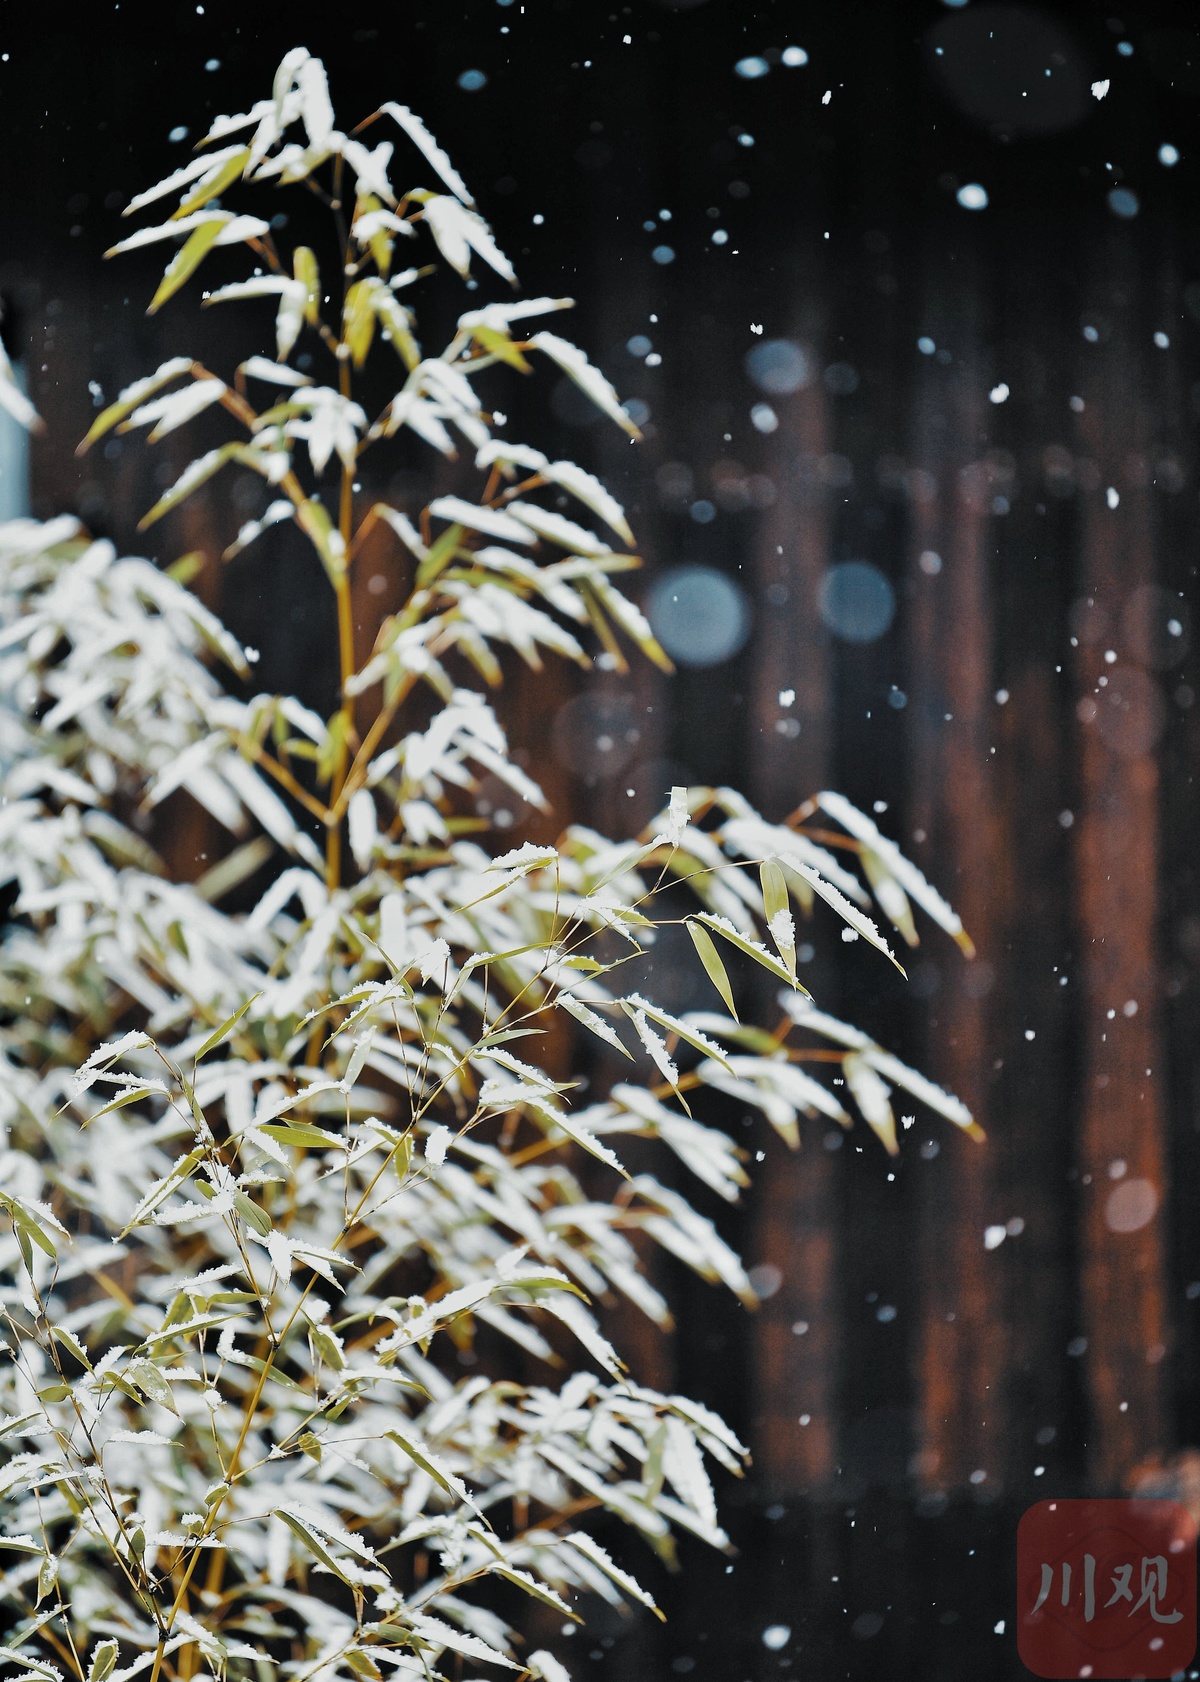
[(1121, 1120)]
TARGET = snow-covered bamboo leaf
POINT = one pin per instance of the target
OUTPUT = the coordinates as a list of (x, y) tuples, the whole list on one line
[(424, 1457), (595, 1024), (849, 913), (186, 261), (923, 893), (591, 1549), (752, 948), (585, 375), (420, 136), (872, 1097), (133, 396)]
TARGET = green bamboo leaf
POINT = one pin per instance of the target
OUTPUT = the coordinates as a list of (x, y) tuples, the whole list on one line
[(441, 1475), (186, 261), (47, 1577), (228, 173), (128, 1095), (297, 1133), (72, 1345), (26, 1226), (131, 398), (314, 521), (539, 1591), (195, 474), (752, 948), (358, 320), (497, 343), (361, 1665), (186, 567), (714, 968), (252, 1214), (327, 1347), (632, 621), (774, 888), (103, 1662), (312, 1542), (227, 1027), (304, 268), (439, 556)]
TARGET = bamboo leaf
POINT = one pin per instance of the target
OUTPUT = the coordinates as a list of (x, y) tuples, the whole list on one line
[(216, 184), (889, 895), (312, 1542), (429, 1463), (186, 261), (358, 321), (714, 968), (252, 1214), (103, 1661), (849, 913), (302, 1135), (227, 1027), (539, 1591), (130, 399), (752, 948), (873, 1098), (596, 1024), (193, 476), (304, 268)]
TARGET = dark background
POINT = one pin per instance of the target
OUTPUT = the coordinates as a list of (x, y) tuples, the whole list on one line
[(936, 1376)]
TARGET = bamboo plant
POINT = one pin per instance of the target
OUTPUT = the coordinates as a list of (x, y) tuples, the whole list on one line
[(291, 1197)]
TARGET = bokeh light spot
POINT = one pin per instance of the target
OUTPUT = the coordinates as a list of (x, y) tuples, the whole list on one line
[(856, 601), (700, 616)]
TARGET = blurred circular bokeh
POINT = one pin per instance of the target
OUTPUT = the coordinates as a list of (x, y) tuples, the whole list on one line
[(1156, 628), (856, 601), (1130, 712), (595, 734), (700, 616), (1131, 1206), (779, 366), (1012, 70)]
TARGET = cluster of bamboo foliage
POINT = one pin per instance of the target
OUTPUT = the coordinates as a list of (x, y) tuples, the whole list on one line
[(269, 1177)]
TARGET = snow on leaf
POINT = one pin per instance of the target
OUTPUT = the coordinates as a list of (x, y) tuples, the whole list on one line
[(596, 1024), (458, 231), (675, 1025), (588, 378), (544, 1667), (654, 1044), (905, 872), (752, 948), (677, 816), (873, 1098), (480, 518), (591, 1549), (528, 517), (849, 913), (176, 407), (420, 136)]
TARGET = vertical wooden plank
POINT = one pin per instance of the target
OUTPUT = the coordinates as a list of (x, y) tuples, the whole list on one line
[(1121, 1140), (960, 1356), (795, 1219)]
